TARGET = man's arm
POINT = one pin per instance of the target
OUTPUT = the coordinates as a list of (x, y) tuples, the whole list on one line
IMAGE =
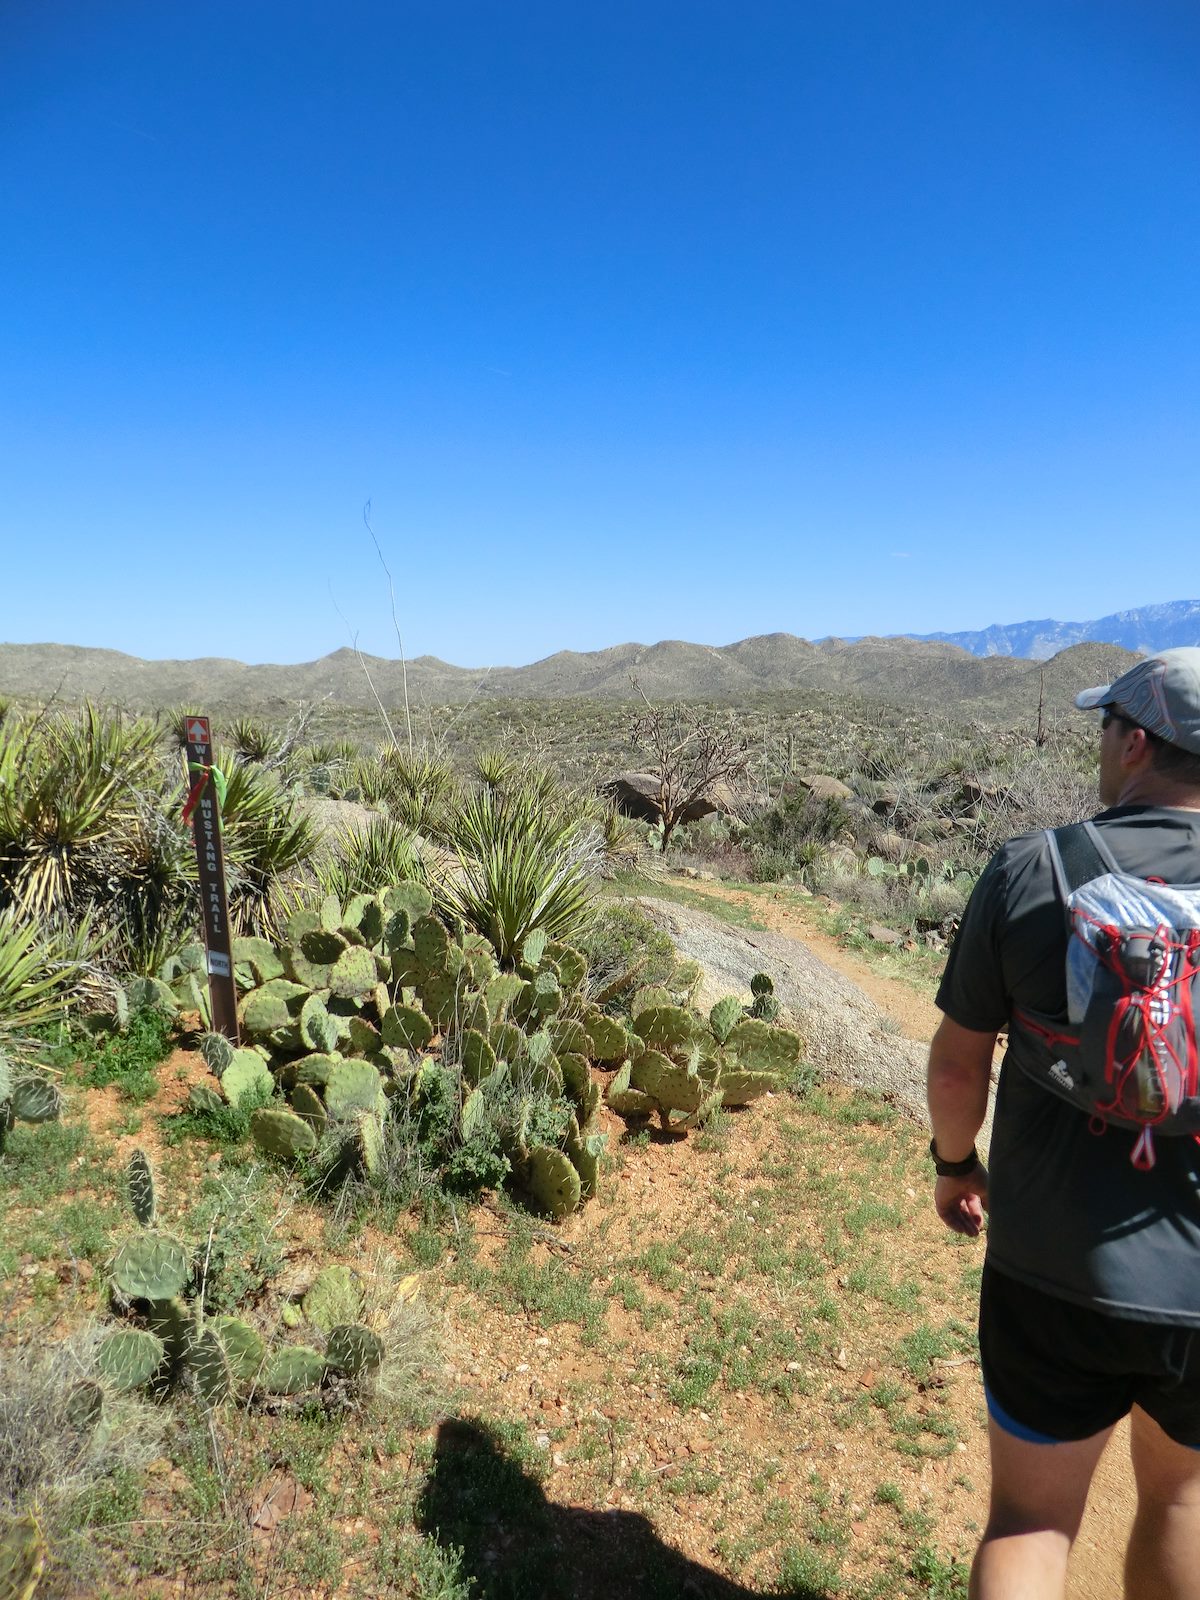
[(960, 1067)]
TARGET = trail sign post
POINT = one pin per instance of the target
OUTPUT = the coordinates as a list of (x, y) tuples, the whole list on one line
[(203, 809)]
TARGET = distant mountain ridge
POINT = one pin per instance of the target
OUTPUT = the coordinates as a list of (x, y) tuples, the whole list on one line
[(931, 674), (1144, 629)]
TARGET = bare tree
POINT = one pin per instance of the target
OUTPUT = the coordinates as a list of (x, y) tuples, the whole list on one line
[(690, 754)]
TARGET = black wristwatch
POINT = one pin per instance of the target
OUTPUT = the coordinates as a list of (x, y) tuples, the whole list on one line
[(953, 1169)]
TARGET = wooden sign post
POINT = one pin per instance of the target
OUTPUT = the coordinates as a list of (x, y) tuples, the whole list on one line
[(204, 811)]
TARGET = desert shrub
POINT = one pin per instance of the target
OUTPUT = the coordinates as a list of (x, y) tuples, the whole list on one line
[(66, 1442), (622, 940)]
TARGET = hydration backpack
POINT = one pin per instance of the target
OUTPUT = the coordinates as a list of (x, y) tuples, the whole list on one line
[(1128, 1052)]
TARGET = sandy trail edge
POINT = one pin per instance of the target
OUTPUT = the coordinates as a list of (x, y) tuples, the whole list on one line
[(796, 954)]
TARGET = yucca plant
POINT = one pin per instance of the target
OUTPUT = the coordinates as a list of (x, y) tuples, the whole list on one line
[(418, 789), (268, 840), (254, 741), (496, 767), (525, 862), (41, 968), (69, 786), (365, 859)]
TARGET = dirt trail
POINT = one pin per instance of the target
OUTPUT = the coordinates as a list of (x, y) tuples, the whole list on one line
[(1097, 1557)]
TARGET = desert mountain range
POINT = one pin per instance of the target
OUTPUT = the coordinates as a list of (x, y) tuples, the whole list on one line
[(904, 672)]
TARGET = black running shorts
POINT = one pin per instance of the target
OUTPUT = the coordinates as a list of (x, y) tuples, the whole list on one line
[(1054, 1371)]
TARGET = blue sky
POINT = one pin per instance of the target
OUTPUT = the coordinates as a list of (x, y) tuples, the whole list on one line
[(632, 320)]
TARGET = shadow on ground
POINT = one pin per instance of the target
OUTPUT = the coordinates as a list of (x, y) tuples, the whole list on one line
[(517, 1545)]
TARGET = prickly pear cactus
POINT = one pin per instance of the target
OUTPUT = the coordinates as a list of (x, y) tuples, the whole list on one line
[(724, 1016), (139, 1181), (553, 1181), (245, 1350), (129, 1358), (282, 1134), (34, 1099), (245, 1076), (208, 1367), (354, 1350), (151, 1266), (292, 1370), (335, 1296), (22, 1557)]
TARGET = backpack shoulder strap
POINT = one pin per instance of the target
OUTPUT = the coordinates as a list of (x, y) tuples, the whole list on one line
[(1078, 854)]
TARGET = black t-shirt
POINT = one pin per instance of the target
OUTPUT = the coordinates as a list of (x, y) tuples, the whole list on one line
[(1069, 1213)]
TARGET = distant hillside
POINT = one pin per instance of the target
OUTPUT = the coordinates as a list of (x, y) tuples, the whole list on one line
[(1146, 629), (900, 671)]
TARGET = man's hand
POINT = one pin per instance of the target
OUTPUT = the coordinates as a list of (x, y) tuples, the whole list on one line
[(961, 1202)]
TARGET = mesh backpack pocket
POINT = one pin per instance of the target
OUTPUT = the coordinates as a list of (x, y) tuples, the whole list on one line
[(1128, 1050)]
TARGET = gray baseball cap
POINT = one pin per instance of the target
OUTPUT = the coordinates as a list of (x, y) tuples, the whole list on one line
[(1160, 694)]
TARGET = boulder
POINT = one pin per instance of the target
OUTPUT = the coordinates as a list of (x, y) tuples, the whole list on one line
[(824, 787), (634, 795)]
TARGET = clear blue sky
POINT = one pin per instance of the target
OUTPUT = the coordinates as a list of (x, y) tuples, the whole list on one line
[(633, 320)]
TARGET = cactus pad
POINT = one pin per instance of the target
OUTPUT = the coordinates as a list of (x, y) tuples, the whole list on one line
[(245, 1075), (139, 1181), (129, 1358), (307, 1103), (738, 1088), (585, 1151), (406, 1028), (261, 1012), (575, 1075), (318, 1030), (261, 956), (151, 1266), (209, 1367), (553, 1181), (608, 1039), (667, 1028), (34, 1099), (759, 1047), (244, 1349), (478, 1057), (414, 898), (354, 1350), (571, 963), (534, 948), (569, 1037), (152, 994), (334, 1296), (671, 1087), (353, 974), (724, 1016), (282, 1134), (354, 1086), (627, 1101), (292, 1370), (431, 943), (645, 999), (502, 990), (202, 1098)]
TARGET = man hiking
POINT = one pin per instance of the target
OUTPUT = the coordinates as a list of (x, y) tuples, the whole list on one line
[(1083, 944)]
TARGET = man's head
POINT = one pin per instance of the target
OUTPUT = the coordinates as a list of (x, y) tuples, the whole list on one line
[(1150, 747)]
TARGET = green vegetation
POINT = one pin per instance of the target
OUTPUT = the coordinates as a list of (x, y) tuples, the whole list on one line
[(454, 1024)]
